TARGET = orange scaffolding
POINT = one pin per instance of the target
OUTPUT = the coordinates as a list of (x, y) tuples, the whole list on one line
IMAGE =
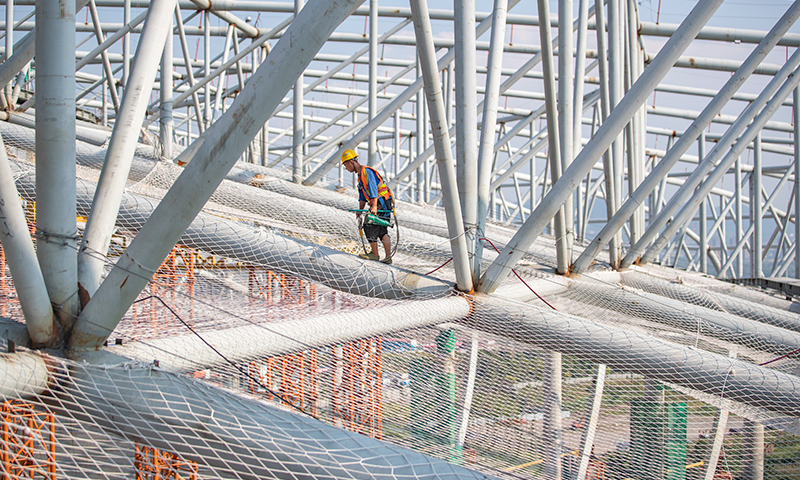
[(28, 442), (293, 377), (5, 291), (277, 288), (356, 397), (175, 273), (154, 464)]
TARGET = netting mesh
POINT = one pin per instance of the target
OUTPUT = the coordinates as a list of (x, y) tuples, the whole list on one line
[(263, 349)]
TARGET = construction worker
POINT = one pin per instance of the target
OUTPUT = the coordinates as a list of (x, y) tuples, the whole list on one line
[(372, 191)]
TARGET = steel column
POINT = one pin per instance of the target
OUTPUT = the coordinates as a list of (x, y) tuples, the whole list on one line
[(553, 136), (552, 405), (206, 68), (9, 41), (297, 117), (22, 262), (121, 148), (166, 123), (796, 118), (56, 226), (372, 146), (104, 55), (441, 141), (615, 242), (756, 215), (486, 150), (616, 49), (590, 424), (467, 127), (566, 127), (126, 43), (701, 153)]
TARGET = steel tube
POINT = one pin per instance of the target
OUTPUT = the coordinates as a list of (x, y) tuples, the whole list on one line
[(121, 148), (566, 127), (29, 283), (756, 214), (553, 137), (616, 49), (242, 344), (56, 227), (166, 123), (189, 73), (721, 168), (206, 69), (297, 117), (219, 101), (25, 52), (112, 88), (441, 141), (674, 154), (466, 136), (743, 236), (486, 151), (231, 134), (796, 118), (388, 111), (470, 389), (9, 51), (737, 219), (701, 153), (615, 242), (551, 409), (635, 353), (587, 438), (126, 43), (616, 121), (25, 374)]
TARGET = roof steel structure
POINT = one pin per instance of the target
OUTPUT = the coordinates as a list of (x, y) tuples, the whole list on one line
[(563, 137)]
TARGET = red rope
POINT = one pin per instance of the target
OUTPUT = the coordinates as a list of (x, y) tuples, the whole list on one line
[(440, 266), (779, 358), (520, 278)]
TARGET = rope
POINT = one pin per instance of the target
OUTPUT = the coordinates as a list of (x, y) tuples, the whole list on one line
[(520, 278), (233, 364), (440, 266)]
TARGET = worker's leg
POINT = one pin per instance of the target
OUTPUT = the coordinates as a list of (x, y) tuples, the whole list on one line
[(387, 245), (373, 248)]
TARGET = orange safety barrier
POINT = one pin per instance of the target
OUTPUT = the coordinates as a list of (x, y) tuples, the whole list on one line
[(28, 447), (154, 464)]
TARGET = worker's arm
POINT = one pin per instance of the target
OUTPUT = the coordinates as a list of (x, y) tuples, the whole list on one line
[(361, 204), (373, 206)]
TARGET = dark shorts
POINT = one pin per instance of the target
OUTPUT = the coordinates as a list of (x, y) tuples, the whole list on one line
[(375, 232)]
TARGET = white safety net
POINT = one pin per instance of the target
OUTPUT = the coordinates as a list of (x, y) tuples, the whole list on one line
[(264, 348)]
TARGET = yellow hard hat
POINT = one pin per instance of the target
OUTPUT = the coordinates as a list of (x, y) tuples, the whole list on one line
[(348, 155)]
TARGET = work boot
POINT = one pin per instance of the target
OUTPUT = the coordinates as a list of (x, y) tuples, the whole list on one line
[(387, 261), (369, 256)]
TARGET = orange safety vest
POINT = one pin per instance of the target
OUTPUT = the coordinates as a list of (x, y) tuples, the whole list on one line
[(383, 189)]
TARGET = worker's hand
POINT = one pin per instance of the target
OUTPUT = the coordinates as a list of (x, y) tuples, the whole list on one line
[(358, 214), (373, 209)]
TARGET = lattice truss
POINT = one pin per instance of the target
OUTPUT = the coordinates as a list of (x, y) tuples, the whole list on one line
[(262, 347)]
